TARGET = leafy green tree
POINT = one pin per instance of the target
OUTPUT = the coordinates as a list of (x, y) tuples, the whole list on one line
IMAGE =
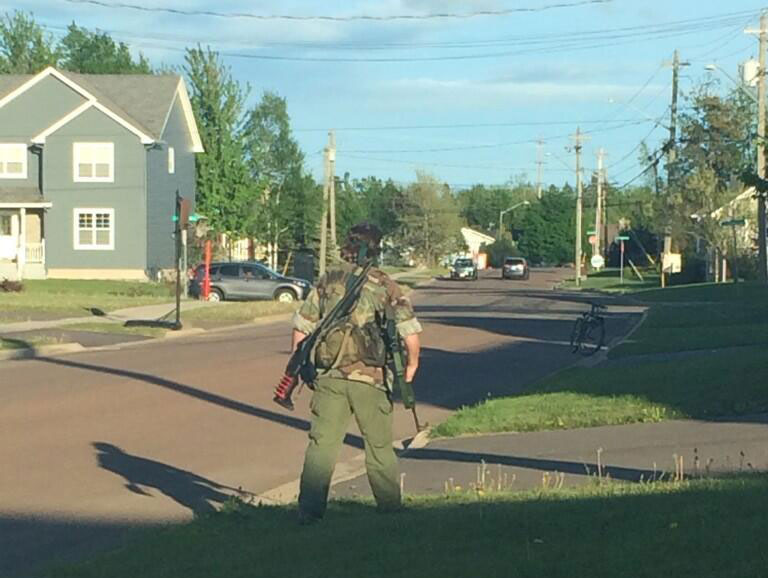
[(501, 249), (276, 169), (368, 199), (24, 47), (91, 52), (716, 146), (222, 179), (431, 221), (351, 205), (481, 205), (549, 227)]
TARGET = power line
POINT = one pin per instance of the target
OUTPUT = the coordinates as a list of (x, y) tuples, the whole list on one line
[(528, 44), (344, 155), (638, 145), (659, 154), (695, 24), (492, 145), (369, 17), (472, 125)]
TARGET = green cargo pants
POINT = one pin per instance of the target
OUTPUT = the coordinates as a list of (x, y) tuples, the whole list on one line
[(334, 401)]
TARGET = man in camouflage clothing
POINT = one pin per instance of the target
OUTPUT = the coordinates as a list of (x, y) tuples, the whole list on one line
[(347, 385)]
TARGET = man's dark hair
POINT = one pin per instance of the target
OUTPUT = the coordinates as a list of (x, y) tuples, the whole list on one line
[(363, 235)]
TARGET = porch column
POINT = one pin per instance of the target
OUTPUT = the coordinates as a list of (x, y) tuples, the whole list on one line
[(21, 257)]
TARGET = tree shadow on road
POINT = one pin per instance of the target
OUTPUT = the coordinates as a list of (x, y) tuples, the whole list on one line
[(185, 488), (275, 417), (544, 465)]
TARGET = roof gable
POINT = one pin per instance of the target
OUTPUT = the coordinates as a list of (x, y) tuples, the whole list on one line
[(140, 102)]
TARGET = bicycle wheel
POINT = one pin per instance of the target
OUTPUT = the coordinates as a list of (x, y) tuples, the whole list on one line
[(593, 336), (576, 334)]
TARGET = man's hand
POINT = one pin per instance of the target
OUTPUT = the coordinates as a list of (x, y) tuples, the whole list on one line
[(410, 372), (296, 338)]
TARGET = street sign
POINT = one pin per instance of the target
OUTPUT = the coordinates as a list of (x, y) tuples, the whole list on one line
[(671, 263), (733, 223), (597, 262), (591, 233), (622, 238)]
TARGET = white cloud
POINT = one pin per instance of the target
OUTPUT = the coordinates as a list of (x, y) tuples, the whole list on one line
[(500, 94)]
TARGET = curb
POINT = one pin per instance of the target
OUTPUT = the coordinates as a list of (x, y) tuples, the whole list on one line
[(288, 492), (42, 351), (65, 348)]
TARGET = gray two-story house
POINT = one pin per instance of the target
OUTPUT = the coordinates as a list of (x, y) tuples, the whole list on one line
[(89, 169)]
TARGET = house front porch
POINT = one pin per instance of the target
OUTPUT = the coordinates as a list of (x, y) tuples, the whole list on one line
[(22, 243)]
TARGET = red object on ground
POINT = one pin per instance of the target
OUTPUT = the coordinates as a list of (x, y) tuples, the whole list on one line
[(207, 273)]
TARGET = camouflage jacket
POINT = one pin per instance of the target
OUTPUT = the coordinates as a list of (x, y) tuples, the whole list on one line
[(378, 292)]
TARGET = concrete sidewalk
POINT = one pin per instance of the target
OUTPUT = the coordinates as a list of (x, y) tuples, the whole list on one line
[(572, 457), (118, 316)]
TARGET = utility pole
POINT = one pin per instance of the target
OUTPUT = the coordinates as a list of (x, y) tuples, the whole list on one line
[(672, 147), (599, 202), (672, 143), (539, 163), (762, 254), (578, 139), (324, 218), (332, 191)]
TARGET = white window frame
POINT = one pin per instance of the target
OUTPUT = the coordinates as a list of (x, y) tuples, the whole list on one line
[(77, 149), (76, 227), (171, 160), (11, 147)]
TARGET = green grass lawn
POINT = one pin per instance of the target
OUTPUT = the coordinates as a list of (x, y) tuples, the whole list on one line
[(421, 275), (394, 270), (609, 280), (234, 313), (734, 382), (701, 317), (56, 299), (706, 528), (706, 293), (710, 362), (10, 343), (117, 328)]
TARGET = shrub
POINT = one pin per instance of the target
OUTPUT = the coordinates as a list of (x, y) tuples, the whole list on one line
[(8, 286)]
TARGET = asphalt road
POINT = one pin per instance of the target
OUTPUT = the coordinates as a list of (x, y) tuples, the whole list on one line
[(97, 443)]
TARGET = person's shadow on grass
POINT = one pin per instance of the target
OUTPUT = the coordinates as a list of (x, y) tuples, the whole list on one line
[(188, 489)]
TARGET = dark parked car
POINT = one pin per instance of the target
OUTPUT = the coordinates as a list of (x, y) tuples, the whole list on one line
[(248, 280), (515, 268), (464, 269)]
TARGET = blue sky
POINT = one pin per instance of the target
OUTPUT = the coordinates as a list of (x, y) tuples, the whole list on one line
[(532, 75)]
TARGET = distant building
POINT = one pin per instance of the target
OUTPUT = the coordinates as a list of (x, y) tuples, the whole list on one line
[(475, 241)]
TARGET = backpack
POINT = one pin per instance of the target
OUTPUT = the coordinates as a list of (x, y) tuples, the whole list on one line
[(349, 341)]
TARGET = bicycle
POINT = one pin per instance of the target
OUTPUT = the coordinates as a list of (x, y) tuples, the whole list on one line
[(588, 333)]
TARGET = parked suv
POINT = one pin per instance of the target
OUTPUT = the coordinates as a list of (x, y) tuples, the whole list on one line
[(464, 269), (247, 280), (515, 268)]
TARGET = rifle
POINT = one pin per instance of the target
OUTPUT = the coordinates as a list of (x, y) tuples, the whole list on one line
[(300, 365), (395, 356)]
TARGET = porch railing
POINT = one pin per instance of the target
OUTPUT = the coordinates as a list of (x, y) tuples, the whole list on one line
[(35, 252)]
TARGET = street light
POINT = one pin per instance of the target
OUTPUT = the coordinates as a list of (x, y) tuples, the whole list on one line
[(740, 85), (505, 211)]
